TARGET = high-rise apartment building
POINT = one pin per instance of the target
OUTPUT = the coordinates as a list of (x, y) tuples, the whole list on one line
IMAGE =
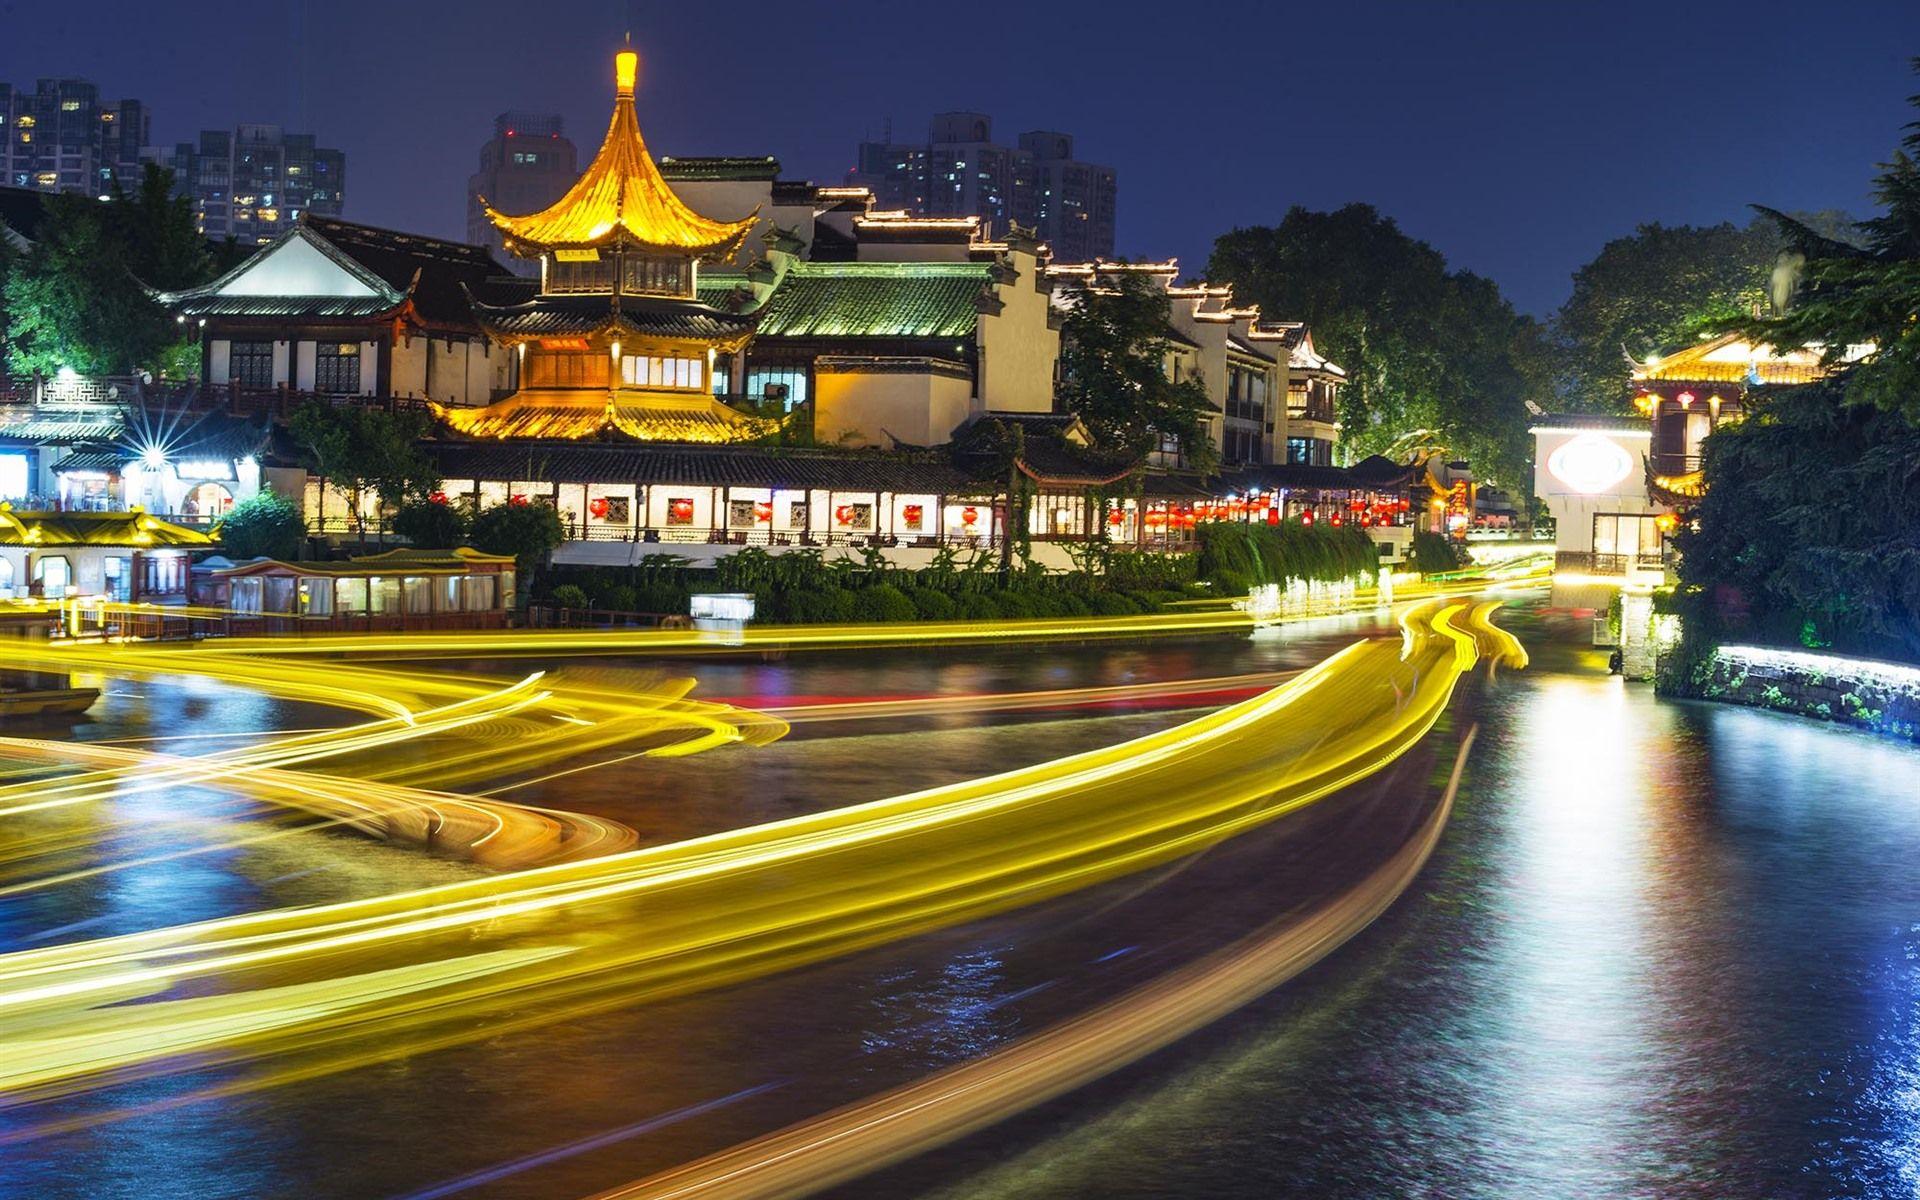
[(526, 165), (961, 171), (252, 183), (62, 137)]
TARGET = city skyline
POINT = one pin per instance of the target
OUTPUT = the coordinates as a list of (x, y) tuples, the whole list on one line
[(1494, 176)]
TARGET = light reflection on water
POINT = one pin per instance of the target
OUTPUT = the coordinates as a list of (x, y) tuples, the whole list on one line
[(1667, 950)]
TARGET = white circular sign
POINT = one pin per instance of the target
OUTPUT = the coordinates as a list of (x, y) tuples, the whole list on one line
[(1590, 463)]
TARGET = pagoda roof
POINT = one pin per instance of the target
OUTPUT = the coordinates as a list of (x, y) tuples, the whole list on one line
[(591, 315), (621, 198), (1730, 358), (866, 299), (572, 414)]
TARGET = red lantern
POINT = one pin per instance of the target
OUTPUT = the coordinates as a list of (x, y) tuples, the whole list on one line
[(842, 513), (1155, 518), (912, 514), (968, 516), (763, 511), (438, 498), (1273, 516), (518, 501), (1336, 520), (682, 510), (1116, 517), (1306, 517), (598, 507)]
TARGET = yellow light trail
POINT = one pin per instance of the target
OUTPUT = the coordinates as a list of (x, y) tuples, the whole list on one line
[(395, 974)]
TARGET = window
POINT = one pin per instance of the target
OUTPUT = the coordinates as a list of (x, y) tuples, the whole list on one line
[(350, 595), (316, 597), (649, 371), (336, 368), (118, 574), (53, 574), (163, 575), (786, 384), (250, 364), (578, 276), (566, 368), (658, 276), (1626, 535)]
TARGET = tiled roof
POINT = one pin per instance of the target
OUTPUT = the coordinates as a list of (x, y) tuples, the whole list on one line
[(1609, 422), (42, 429), (107, 462), (715, 466), (296, 307), (866, 299), (674, 168), (1292, 476), (577, 316), (446, 270), (584, 413), (94, 529)]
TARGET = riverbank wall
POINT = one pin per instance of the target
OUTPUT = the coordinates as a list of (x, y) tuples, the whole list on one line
[(1879, 696)]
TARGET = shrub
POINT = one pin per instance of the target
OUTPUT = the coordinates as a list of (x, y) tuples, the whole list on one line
[(1277, 553), (1073, 604), (529, 532), (974, 606), (1011, 606), (884, 603), (431, 524), (931, 605), (568, 595), (620, 598), (1231, 583), (1432, 553), (822, 606), (1111, 604), (266, 524)]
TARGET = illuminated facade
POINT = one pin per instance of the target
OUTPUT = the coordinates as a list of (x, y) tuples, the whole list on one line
[(616, 339), (252, 182), (62, 137)]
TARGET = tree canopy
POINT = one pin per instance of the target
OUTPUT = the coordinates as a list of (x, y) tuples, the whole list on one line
[(529, 532), (77, 298), (266, 524), (1114, 346), (362, 449), (1425, 348)]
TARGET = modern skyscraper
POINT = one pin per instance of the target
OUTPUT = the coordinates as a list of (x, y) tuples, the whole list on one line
[(961, 171), (526, 165), (251, 184), (62, 137)]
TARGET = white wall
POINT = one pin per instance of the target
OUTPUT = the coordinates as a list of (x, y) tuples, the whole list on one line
[(1018, 349)]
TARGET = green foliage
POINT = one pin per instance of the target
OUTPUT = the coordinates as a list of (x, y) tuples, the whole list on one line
[(1435, 553), (930, 605), (78, 297), (1428, 352), (1142, 570), (1113, 374), (529, 532), (1811, 518), (1111, 604), (431, 524), (264, 525), (883, 602), (568, 595), (364, 449), (1646, 293), (619, 597), (1234, 557)]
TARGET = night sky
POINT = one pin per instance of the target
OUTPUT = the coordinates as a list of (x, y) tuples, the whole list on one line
[(1517, 138)]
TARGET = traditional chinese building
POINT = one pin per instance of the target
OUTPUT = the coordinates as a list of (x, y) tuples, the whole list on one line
[(616, 338)]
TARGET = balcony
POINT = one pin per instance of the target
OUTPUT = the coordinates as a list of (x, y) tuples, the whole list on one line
[(1586, 562)]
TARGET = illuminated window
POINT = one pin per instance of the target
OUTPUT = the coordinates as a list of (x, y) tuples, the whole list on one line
[(658, 276), (336, 368), (786, 384), (27, 122), (578, 276), (651, 371), (52, 574), (69, 106)]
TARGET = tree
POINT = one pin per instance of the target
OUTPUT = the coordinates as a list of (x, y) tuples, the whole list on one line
[(265, 524), (1426, 350), (1643, 294), (431, 523), (78, 297), (529, 532), (1114, 346), (1858, 298), (362, 449)]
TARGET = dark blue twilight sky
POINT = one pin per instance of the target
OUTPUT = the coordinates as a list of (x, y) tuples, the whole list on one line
[(1515, 137)]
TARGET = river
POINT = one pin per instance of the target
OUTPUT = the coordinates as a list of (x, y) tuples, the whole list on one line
[(1662, 950)]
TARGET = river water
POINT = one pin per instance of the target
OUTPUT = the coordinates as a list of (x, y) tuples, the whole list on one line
[(1662, 950)]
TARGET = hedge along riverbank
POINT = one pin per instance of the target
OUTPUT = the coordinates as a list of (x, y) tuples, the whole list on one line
[(1235, 557), (802, 588), (1882, 697)]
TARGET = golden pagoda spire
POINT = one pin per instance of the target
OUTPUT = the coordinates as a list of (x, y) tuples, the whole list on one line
[(621, 198)]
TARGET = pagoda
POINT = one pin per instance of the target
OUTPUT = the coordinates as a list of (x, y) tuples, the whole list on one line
[(616, 341)]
